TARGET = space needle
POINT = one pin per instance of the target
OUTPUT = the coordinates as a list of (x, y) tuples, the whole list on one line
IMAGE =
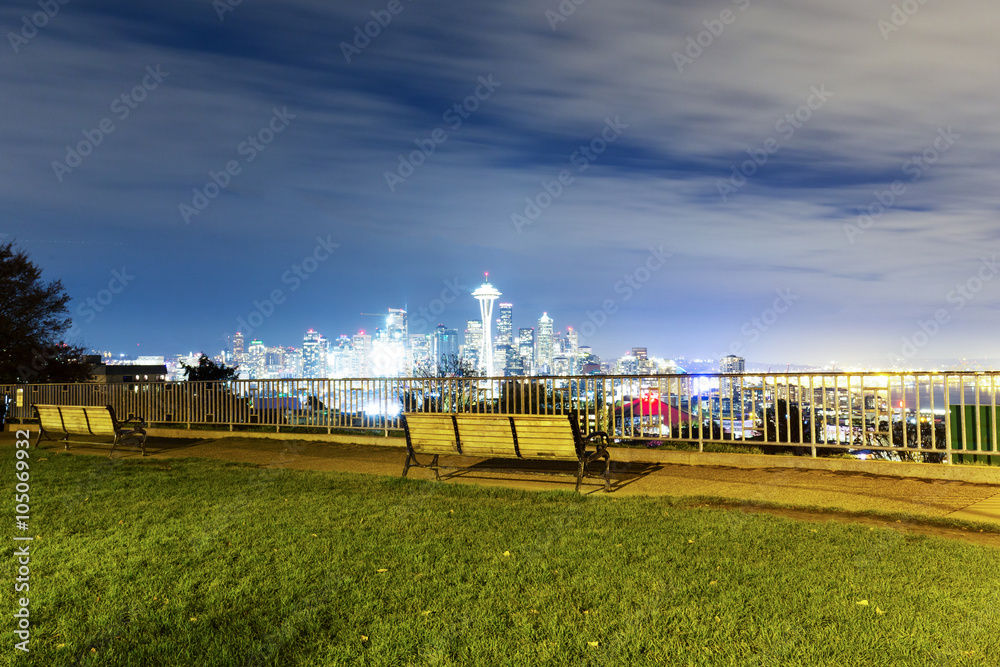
[(486, 294)]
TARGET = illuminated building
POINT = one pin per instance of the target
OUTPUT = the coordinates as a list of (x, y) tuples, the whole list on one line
[(473, 347), (732, 364), (573, 350), (543, 348), (505, 324), (314, 353), (239, 351), (395, 325), (293, 362), (341, 357), (421, 354), (362, 355), (526, 349), (445, 344), (256, 361), (486, 294), (274, 361)]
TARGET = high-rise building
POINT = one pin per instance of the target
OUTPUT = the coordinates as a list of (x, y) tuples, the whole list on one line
[(421, 355), (239, 351), (486, 294), (473, 348), (526, 349), (445, 344), (256, 359), (732, 364), (361, 362), (505, 324), (341, 357), (314, 352), (544, 346), (274, 361), (395, 325), (573, 350), (293, 362)]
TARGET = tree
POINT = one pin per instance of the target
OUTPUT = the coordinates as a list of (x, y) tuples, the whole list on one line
[(209, 371), (33, 319), (451, 385)]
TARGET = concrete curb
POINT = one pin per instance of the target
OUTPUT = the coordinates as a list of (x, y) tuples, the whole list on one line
[(962, 473)]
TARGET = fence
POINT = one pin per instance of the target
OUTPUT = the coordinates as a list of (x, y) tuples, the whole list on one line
[(931, 417)]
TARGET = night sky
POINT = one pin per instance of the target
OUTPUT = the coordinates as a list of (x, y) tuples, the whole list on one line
[(793, 181)]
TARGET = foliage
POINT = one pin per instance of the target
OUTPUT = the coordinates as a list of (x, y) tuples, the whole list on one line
[(450, 366), (33, 319), (209, 371)]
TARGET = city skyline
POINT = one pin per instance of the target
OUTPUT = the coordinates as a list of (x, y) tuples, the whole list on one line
[(691, 177)]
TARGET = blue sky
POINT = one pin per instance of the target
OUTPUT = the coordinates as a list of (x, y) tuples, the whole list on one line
[(796, 181)]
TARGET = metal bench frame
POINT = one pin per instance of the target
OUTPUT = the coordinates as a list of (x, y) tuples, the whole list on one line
[(504, 444), (95, 420)]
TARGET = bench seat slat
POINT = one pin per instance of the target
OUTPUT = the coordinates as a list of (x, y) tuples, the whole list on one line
[(432, 433), (486, 435), (546, 437)]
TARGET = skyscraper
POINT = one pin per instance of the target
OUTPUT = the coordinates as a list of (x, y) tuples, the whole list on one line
[(361, 364), (526, 349), (473, 349), (573, 350), (395, 325), (732, 364), (256, 360), (444, 345), (544, 352), (239, 352), (486, 294), (421, 357), (314, 355), (341, 356), (505, 324)]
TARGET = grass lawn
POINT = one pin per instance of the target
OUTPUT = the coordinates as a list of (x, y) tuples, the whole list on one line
[(190, 562)]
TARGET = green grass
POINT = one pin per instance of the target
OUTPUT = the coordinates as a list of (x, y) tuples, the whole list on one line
[(189, 562)]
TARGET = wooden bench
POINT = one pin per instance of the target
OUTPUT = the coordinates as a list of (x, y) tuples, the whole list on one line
[(96, 420), (524, 437)]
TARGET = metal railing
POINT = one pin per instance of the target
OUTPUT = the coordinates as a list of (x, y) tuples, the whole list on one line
[(917, 416)]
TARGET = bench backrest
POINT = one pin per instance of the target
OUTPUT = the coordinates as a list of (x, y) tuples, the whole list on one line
[(431, 432), (76, 419), (486, 435), (547, 436)]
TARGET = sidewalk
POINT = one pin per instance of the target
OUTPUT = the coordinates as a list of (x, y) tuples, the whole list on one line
[(829, 490)]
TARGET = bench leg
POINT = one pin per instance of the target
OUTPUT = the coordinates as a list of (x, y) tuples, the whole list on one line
[(607, 472), (42, 433), (437, 472), (406, 463), (579, 474)]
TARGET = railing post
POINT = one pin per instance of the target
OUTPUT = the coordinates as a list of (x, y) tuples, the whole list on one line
[(701, 420)]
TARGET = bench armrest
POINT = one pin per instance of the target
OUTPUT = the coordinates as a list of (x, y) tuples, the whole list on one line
[(599, 439), (133, 421)]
